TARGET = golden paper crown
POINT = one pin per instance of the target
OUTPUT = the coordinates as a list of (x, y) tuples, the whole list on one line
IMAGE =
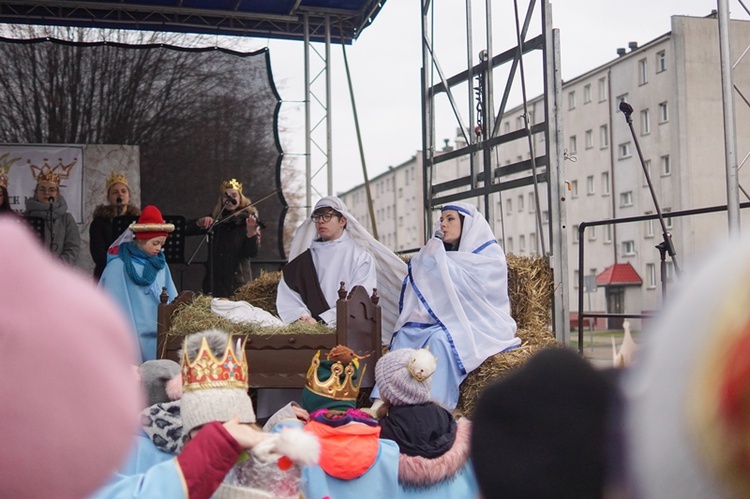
[(231, 184), (117, 178), (49, 176), (209, 372), (333, 387), (4, 177)]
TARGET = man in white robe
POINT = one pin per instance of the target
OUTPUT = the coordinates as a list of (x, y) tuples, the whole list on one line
[(342, 251)]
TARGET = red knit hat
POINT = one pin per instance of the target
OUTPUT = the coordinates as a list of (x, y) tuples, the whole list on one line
[(151, 224)]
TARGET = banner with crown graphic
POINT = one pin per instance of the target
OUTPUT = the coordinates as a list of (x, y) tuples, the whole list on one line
[(24, 164)]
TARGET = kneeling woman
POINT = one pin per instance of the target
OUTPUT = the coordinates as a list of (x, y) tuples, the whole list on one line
[(455, 300), (136, 273)]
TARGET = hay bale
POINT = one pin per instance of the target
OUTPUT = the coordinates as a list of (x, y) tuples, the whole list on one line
[(530, 289), (197, 316), (261, 292), (499, 365)]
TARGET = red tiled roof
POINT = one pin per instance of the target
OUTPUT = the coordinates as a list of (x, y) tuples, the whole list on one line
[(619, 274)]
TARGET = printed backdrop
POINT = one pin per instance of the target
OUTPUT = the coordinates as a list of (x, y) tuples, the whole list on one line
[(25, 162)]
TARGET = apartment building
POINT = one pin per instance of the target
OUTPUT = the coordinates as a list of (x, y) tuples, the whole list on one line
[(674, 85)]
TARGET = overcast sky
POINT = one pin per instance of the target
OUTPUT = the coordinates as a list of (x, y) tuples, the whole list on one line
[(385, 64)]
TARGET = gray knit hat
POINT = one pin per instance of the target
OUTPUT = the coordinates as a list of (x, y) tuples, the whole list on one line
[(215, 380), (404, 376), (154, 376)]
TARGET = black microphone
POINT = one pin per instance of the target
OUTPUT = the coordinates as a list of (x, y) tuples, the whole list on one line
[(626, 108), (51, 200), (439, 234), (230, 199)]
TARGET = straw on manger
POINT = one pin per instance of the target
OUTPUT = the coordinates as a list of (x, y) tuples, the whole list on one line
[(197, 316)]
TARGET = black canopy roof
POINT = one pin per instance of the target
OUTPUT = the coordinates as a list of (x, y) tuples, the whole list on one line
[(257, 18)]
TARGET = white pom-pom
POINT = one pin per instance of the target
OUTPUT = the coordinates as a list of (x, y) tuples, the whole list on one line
[(174, 388), (422, 364), (298, 445)]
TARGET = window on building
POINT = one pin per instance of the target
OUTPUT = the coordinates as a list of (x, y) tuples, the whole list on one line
[(602, 89), (587, 94), (573, 144), (574, 188), (605, 183), (667, 220), (661, 61), (522, 244), (642, 72), (592, 233), (589, 139), (663, 112), (506, 126), (666, 167), (575, 233), (649, 228), (545, 217), (624, 150), (520, 202), (406, 177), (608, 234), (400, 192), (645, 122), (400, 221), (626, 198), (508, 206), (572, 99), (576, 278), (532, 204), (389, 212), (604, 136), (646, 170), (509, 244), (590, 189), (628, 248), (533, 243), (650, 275), (670, 270), (519, 122)]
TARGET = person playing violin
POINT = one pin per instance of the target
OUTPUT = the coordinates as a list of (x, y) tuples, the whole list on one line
[(236, 238)]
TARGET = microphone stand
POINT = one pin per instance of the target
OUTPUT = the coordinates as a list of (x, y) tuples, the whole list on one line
[(666, 245), (51, 224), (209, 239)]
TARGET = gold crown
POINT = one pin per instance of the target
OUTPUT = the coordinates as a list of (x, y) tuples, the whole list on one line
[(117, 178), (231, 184), (209, 372), (4, 177), (333, 387), (49, 176)]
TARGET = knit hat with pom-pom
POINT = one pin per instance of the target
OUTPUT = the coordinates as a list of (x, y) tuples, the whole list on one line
[(404, 376)]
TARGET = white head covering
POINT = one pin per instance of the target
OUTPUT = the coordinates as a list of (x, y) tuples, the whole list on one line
[(475, 231), (391, 270)]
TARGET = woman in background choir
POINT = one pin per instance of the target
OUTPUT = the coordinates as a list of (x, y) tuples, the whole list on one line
[(60, 229), (4, 197), (136, 273), (101, 233), (236, 239)]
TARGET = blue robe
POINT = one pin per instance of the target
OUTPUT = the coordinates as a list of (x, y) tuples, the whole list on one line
[(163, 480), (140, 303), (380, 481)]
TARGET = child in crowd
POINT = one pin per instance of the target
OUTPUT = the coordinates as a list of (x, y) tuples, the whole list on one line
[(136, 273), (434, 448)]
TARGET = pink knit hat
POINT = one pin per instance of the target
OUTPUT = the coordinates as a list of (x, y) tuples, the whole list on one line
[(404, 376), (70, 400)]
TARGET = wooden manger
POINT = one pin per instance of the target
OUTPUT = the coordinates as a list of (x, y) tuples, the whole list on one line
[(278, 358)]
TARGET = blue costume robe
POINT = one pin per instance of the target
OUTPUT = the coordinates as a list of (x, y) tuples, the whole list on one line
[(140, 303)]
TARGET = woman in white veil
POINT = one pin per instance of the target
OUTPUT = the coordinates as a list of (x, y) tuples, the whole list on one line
[(454, 300)]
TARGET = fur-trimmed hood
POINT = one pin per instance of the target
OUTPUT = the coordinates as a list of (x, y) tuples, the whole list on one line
[(423, 472)]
